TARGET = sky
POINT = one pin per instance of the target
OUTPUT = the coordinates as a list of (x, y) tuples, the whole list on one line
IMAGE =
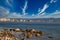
[(29, 8)]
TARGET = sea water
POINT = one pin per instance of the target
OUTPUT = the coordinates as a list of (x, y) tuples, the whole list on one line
[(49, 29)]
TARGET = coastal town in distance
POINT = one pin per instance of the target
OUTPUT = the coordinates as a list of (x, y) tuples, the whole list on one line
[(30, 20)]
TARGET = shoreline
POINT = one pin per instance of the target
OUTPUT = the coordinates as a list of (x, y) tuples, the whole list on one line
[(15, 34)]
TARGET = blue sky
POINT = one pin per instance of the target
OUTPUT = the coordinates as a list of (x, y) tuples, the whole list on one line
[(29, 8)]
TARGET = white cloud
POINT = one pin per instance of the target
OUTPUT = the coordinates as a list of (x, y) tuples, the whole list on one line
[(53, 1), (9, 2), (24, 8), (33, 14), (42, 14), (3, 12), (55, 14), (40, 11), (14, 15)]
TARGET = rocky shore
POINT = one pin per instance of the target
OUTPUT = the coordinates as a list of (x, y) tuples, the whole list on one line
[(19, 34)]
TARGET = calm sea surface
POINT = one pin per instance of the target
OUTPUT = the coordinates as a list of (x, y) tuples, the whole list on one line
[(49, 29)]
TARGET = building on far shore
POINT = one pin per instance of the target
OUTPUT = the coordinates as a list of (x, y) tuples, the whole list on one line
[(29, 20)]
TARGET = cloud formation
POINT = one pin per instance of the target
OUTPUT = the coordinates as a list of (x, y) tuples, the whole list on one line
[(33, 14), (55, 14), (14, 15), (9, 2), (53, 1), (43, 9), (41, 12), (24, 8), (3, 12)]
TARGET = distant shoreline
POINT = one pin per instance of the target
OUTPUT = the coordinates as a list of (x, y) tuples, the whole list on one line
[(29, 23)]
